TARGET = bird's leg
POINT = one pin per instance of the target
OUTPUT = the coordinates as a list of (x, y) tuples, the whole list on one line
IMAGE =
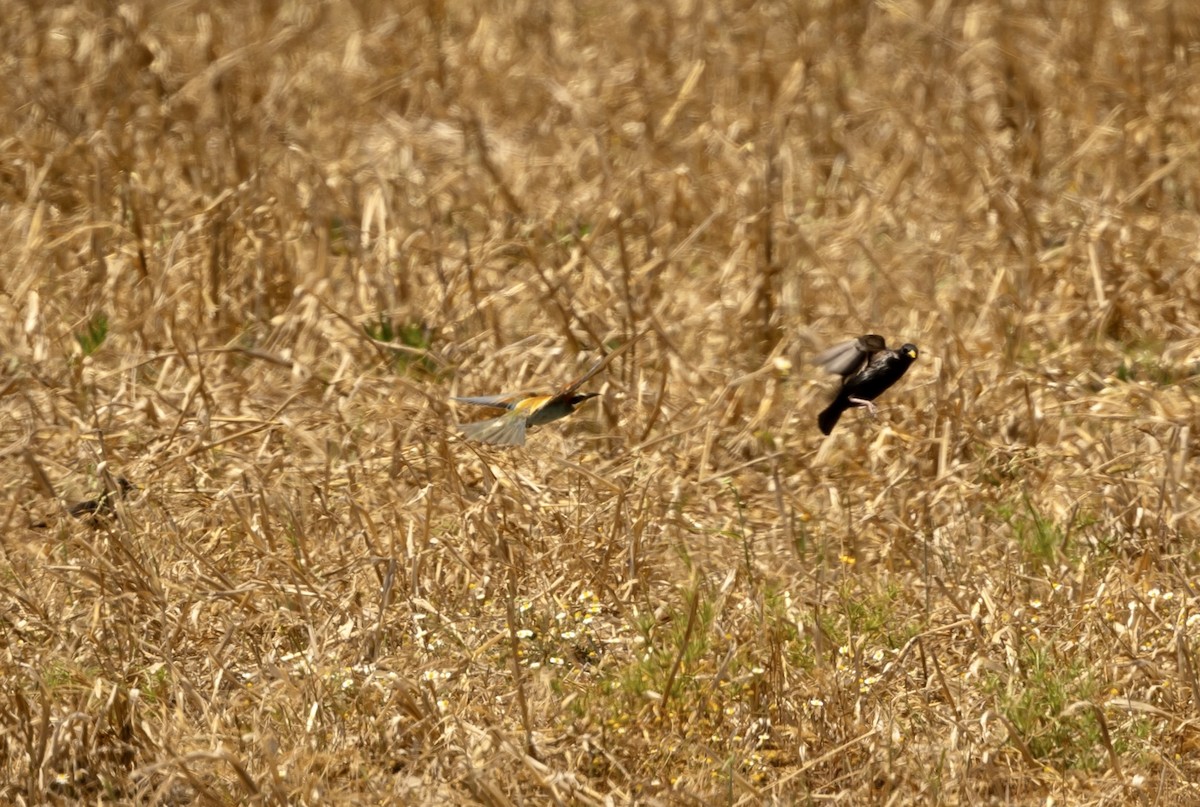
[(863, 402)]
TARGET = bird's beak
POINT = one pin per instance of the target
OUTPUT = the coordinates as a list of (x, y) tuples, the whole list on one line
[(912, 353)]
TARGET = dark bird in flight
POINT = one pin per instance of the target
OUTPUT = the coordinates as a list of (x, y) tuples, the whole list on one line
[(101, 507), (867, 369)]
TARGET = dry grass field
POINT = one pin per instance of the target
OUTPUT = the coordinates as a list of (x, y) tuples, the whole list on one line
[(250, 250)]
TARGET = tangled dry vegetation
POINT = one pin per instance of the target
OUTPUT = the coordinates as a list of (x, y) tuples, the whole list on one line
[(250, 250)]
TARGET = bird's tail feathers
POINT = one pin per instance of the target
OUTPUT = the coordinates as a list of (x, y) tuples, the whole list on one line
[(829, 417)]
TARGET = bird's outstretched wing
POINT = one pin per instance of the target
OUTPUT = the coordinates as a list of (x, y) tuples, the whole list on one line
[(848, 358), (506, 430)]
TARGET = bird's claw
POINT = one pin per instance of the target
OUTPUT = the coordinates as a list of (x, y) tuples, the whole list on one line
[(870, 405)]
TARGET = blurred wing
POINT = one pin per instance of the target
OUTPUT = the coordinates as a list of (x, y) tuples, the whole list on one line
[(844, 359), (600, 365), (506, 430), (848, 358)]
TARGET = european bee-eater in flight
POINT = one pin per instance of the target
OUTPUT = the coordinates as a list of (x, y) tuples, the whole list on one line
[(526, 410)]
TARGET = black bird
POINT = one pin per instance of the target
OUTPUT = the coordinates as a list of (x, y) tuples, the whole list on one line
[(867, 368), (100, 507)]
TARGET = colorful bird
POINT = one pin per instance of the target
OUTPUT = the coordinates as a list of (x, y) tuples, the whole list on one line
[(867, 368), (526, 410)]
